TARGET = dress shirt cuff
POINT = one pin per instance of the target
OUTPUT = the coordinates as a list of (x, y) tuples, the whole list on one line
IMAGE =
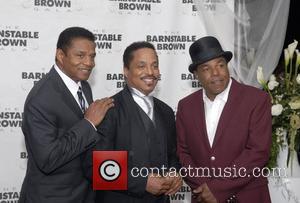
[(91, 124)]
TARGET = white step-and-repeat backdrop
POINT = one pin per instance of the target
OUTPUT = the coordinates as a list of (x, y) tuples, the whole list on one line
[(28, 36)]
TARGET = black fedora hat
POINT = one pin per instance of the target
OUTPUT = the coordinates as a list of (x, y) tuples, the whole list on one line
[(205, 49)]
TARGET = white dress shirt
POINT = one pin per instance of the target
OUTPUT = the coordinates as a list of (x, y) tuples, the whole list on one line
[(139, 98), (213, 111), (71, 85)]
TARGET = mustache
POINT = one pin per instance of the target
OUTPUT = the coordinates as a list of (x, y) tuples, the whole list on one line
[(217, 79), (86, 68), (150, 77)]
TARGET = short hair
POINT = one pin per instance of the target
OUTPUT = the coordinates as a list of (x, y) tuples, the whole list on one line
[(128, 53), (65, 38)]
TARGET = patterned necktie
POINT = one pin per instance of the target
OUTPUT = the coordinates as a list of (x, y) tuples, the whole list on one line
[(81, 99)]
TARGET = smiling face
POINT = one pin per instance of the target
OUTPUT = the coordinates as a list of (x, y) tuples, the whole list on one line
[(143, 70), (78, 59), (214, 76)]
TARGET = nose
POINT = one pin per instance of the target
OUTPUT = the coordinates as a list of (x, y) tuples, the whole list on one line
[(89, 61), (149, 70), (215, 70)]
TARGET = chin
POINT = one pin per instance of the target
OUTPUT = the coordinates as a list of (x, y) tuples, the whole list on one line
[(147, 91), (219, 91), (86, 77), (151, 89)]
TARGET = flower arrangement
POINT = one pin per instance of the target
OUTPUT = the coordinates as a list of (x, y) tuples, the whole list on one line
[(284, 90)]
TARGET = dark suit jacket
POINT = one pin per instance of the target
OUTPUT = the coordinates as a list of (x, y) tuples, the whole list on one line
[(124, 128), (243, 139), (56, 135)]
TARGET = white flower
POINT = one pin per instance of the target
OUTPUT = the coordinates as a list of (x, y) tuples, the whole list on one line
[(295, 103), (298, 58), (298, 79), (276, 109), (286, 57), (272, 78), (279, 131), (291, 48), (272, 84), (260, 76)]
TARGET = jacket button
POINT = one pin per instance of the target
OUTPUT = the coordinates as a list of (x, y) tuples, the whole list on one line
[(212, 158)]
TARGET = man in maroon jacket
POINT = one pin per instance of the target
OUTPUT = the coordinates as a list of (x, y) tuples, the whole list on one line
[(224, 131)]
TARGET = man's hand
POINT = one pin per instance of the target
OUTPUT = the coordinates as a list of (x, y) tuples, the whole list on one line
[(204, 195), (176, 183), (97, 110), (157, 185)]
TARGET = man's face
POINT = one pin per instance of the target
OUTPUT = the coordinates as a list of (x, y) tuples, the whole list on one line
[(214, 76), (78, 60), (143, 71)]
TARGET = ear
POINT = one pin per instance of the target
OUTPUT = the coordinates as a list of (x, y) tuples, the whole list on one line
[(195, 74), (125, 71), (59, 55)]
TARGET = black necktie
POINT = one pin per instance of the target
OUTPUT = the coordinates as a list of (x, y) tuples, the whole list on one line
[(81, 99)]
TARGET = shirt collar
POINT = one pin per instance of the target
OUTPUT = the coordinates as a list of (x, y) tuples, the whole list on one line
[(138, 93), (222, 96), (71, 84)]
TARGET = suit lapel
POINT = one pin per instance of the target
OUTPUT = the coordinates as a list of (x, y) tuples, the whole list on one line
[(133, 108), (229, 109), (199, 117), (158, 116), (65, 94), (139, 141)]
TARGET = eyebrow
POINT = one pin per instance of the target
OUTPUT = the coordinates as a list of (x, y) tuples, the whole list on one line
[(221, 60)]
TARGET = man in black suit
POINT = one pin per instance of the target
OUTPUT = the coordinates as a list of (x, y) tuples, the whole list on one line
[(145, 127), (58, 127)]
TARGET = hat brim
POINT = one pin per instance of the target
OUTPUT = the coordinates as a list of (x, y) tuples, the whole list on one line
[(226, 54)]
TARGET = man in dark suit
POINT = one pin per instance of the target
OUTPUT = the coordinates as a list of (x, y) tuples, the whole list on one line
[(224, 131), (145, 127), (58, 127)]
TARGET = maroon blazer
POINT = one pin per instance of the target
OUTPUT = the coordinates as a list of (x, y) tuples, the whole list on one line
[(241, 144)]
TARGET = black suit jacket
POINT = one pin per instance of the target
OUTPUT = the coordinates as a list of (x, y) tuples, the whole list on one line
[(124, 129), (56, 135)]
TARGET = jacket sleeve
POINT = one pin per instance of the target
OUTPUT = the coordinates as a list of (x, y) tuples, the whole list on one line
[(50, 145), (173, 160)]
